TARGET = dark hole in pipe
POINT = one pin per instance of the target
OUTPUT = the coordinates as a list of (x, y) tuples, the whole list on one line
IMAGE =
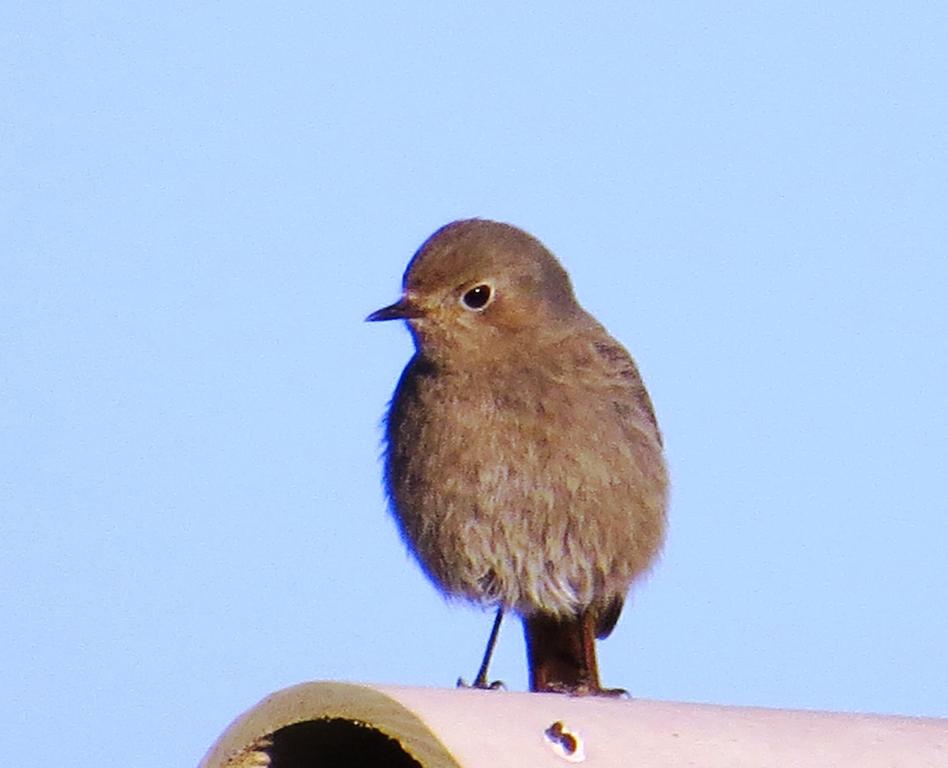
[(336, 743)]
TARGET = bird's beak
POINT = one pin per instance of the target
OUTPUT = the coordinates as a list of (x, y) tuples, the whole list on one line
[(403, 309)]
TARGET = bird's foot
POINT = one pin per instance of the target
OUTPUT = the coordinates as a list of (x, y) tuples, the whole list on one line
[(482, 685), (584, 689), (612, 693)]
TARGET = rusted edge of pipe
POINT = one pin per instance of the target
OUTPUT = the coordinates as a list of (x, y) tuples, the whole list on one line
[(245, 742)]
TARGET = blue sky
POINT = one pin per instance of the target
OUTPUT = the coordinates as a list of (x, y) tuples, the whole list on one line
[(201, 203)]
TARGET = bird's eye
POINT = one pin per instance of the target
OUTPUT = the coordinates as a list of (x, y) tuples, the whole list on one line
[(478, 297)]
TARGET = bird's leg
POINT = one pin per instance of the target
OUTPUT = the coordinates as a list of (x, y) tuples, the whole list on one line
[(481, 680)]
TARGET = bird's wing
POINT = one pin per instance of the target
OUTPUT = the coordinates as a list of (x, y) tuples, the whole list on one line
[(606, 617), (618, 364)]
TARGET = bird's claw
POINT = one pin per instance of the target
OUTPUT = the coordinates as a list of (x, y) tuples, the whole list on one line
[(584, 690), (482, 685)]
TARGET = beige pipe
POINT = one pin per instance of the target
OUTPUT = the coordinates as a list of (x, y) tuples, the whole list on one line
[(384, 725)]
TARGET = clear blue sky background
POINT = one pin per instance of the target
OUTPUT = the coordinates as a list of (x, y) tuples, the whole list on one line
[(200, 204)]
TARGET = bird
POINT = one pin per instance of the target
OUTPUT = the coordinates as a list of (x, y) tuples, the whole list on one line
[(523, 461)]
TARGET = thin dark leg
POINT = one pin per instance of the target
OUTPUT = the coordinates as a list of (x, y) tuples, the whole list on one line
[(481, 680)]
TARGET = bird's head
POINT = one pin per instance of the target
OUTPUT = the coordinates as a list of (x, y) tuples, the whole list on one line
[(476, 287)]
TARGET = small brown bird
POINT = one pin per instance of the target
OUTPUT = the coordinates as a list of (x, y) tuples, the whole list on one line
[(523, 459)]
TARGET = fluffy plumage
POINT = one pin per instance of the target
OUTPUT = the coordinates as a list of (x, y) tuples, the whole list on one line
[(524, 461)]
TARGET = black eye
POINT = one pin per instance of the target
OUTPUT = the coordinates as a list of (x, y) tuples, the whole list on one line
[(477, 297)]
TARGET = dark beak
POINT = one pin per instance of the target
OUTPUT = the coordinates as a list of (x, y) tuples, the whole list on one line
[(402, 309)]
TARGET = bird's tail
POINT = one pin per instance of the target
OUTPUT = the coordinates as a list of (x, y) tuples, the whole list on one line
[(561, 653)]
